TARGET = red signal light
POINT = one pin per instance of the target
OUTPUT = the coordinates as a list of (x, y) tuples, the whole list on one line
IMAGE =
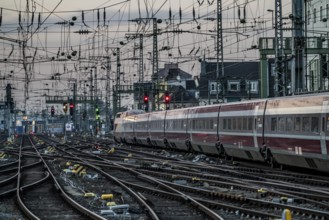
[(167, 99), (146, 99)]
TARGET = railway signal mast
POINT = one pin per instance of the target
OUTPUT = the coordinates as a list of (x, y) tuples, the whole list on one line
[(167, 100), (146, 102), (279, 56), (52, 111), (65, 107)]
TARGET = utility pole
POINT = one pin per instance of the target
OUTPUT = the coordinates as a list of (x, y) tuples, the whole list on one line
[(298, 82), (108, 95), (155, 68), (140, 66), (116, 92), (74, 104), (9, 104), (96, 103), (91, 101), (219, 49), (280, 84), (140, 63)]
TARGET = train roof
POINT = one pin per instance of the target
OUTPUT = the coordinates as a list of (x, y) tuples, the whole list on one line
[(324, 94)]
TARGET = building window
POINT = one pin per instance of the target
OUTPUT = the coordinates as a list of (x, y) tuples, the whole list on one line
[(314, 15), (213, 88), (321, 14), (327, 11), (308, 17), (252, 86), (234, 86)]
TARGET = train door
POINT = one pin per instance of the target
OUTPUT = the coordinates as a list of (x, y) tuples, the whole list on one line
[(188, 126), (324, 129), (260, 123)]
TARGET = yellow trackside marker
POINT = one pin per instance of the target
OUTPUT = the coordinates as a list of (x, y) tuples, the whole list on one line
[(107, 196), (89, 195), (286, 215), (111, 204)]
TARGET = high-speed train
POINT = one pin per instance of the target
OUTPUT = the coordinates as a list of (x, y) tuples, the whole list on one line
[(292, 130)]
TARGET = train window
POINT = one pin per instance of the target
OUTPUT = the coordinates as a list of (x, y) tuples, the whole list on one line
[(229, 124), (290, 124), (239, 123), (224, 124), (196, 124), (315, 124), (245, 124), (306, 124), (281, 123), (250, 124), (211, 124), (203, 124), (297, 124), (273, 124), (233, 123), (323, 124)]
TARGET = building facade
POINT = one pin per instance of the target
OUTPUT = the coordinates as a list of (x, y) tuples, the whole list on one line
[(239, 81)]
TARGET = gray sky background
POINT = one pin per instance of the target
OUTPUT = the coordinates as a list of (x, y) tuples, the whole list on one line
[(51, 40)]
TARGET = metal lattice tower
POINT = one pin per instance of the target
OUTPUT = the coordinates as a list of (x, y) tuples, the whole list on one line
[(279, 56), (140, 64), (118, 79), (155, 78), (117, 92), (219, 46)]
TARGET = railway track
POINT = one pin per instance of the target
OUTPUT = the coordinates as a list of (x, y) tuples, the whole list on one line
[(36, 191), (140, 183), (301, 193)]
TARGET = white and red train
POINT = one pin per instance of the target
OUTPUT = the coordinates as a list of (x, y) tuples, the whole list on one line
[(292, 130)]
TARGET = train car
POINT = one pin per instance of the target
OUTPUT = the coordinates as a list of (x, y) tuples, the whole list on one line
[(124, 126), (296, 131), (141, 129), (291, 130), (176, 128), (203, 129), (240, 129), (118, 131), (156, 128)]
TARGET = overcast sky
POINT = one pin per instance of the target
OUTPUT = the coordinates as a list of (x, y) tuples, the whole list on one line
[(109, 23)]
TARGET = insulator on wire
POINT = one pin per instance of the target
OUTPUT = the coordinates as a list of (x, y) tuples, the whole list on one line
[(83, 19), (180, 14), (0, 17), (200, 2), (20, 20), (97, 17), (193, 14), (39, 20), (61, 22), (32, 19), (211, 2), (170, 15), (104, 16), (82, 32)]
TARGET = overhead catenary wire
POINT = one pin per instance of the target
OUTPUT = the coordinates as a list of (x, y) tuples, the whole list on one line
[(187, 15)]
